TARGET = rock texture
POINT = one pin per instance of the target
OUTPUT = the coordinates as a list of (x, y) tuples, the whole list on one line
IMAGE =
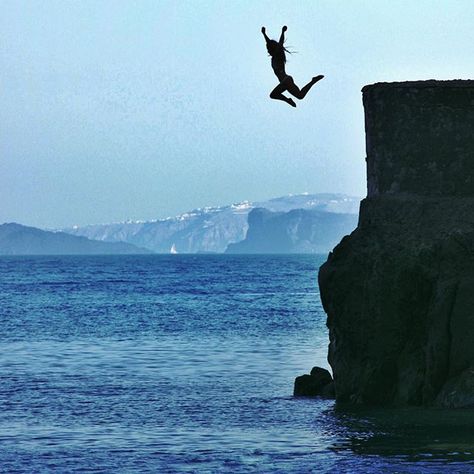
[(399, 291)]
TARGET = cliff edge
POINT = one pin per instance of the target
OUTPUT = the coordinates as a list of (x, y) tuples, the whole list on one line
[(399, 291), (296, 231)]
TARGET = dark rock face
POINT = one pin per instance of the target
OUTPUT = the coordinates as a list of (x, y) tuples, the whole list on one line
[(399, 291), (419, 138), (318, 383)]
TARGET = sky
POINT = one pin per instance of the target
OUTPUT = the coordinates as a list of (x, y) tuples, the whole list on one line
[(117, 110)]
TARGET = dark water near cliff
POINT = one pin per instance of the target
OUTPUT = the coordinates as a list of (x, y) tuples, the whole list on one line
[(186, 364)]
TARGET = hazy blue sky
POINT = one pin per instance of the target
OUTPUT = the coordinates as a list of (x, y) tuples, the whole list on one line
[(112, 110)]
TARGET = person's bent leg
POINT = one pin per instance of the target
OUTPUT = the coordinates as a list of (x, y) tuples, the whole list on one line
[(277, 94), (293, 89)]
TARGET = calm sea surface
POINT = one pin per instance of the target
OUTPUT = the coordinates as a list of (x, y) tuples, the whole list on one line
[(186, 364)]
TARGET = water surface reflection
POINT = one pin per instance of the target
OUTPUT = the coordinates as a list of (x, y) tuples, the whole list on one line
[(425, 439)]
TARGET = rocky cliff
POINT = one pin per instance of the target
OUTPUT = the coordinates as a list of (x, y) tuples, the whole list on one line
[(296, 231), (399, 291), (210, 229)]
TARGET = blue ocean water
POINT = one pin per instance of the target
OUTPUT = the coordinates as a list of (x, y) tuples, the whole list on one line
[(113, 364)]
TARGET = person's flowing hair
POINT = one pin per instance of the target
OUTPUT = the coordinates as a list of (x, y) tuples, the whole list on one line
[(277, 50)]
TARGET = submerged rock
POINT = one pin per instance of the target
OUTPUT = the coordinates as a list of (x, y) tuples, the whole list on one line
[(399, 291), (318, 383)]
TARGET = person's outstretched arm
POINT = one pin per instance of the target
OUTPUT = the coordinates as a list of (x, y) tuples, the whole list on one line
[(282, 37), (267, 39)]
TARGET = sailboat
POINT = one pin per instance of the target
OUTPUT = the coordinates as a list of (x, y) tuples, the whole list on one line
[(173, 249)]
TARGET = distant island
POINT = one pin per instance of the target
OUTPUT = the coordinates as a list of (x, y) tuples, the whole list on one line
[(301, 223), (215, 229), (296, 231), (16, 239)]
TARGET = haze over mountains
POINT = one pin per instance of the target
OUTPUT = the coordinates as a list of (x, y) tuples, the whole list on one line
[(296, 231), (16, 239), (305, 223), (212, 229)]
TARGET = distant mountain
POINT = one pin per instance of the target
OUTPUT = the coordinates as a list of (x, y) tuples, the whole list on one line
[(209, 229), (326, 202), (16, 239), (297, 231)]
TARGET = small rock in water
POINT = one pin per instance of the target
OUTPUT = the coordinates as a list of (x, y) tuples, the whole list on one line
[(318, 383)]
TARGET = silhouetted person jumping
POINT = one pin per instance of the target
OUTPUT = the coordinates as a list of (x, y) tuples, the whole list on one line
[(277, 50)]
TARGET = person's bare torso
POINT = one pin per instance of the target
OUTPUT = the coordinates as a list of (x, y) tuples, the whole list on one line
[(279, 68)]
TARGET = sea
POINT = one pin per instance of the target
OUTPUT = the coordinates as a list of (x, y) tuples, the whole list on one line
[(186, 364)]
